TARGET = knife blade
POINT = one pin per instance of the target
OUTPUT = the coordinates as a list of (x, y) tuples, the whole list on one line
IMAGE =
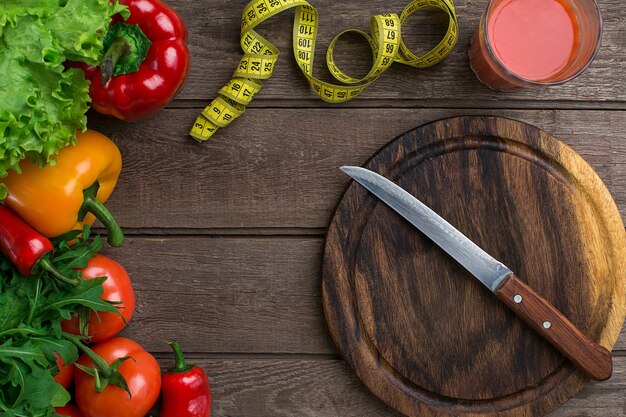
[(590, 357)]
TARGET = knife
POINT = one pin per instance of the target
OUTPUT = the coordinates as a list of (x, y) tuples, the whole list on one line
[(591, 358)]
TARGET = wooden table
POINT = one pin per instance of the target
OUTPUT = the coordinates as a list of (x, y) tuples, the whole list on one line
[(225, 239)]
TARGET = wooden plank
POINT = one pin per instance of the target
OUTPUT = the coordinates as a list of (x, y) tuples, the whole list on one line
[(279, 168), (215, 51), (311, 388), (244, 295), (231, 294)]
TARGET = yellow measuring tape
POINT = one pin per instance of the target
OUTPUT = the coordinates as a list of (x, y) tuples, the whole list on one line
[(260, 57)]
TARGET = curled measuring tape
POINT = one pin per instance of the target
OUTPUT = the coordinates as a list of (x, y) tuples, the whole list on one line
[(260, 57)]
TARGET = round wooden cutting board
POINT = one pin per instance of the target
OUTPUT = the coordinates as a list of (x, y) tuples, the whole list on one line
[(424, 335)]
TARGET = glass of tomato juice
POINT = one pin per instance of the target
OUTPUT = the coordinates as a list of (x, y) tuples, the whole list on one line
[(534, 43)]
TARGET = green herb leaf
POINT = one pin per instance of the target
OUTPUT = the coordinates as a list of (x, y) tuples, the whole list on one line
[(40, 390), (50, 345), (86, 295), (60, 397), (27, 354), (13, 307), (31, 311)]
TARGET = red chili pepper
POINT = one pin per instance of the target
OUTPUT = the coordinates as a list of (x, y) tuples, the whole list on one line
[(185, 389), (26, 248), (145, 63)]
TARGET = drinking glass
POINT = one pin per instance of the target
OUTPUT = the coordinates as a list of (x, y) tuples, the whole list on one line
[(489, 63)]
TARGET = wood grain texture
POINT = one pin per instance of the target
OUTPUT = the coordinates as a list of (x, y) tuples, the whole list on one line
[(289, 176), (214, 45), (399, 308), (313, 388), (591, 358), (244, 295), (237, 295)]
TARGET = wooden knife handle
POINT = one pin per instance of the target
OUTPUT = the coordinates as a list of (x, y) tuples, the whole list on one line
[(594, 360)]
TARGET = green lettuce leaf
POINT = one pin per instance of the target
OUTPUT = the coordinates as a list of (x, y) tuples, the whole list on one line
[(43, 104)]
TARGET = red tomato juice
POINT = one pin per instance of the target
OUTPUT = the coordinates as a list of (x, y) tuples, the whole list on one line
[(533, 39)]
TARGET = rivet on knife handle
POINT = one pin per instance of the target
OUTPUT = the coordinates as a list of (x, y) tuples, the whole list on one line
[(594, 360)]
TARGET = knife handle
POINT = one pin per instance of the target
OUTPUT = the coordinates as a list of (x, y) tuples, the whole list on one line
[(591, 358)]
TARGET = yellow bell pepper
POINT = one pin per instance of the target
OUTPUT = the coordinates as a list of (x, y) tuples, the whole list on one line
[(58, 198)]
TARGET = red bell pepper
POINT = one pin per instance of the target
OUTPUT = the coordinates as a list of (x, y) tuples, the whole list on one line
[(185, 389), (26, 248), (145, 62)]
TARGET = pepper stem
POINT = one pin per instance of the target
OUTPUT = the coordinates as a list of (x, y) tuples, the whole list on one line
[(119, 47), (115, 235), (181, 365), (46, 264), (126, 48), (92, 205)]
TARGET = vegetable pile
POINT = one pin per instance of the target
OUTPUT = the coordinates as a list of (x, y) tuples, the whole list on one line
[(59, 295), (62, 303), (42, 103), (31, 312)]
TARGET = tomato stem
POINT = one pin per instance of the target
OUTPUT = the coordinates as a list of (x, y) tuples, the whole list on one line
[(103, 374), (100, 363)]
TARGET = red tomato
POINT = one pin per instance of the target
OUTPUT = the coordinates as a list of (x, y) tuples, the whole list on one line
[(69, 410), (142, 375), (65, 374), (118, 288)]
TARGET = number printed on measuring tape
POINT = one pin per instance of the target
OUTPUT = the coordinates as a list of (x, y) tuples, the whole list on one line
[(260, 56)]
